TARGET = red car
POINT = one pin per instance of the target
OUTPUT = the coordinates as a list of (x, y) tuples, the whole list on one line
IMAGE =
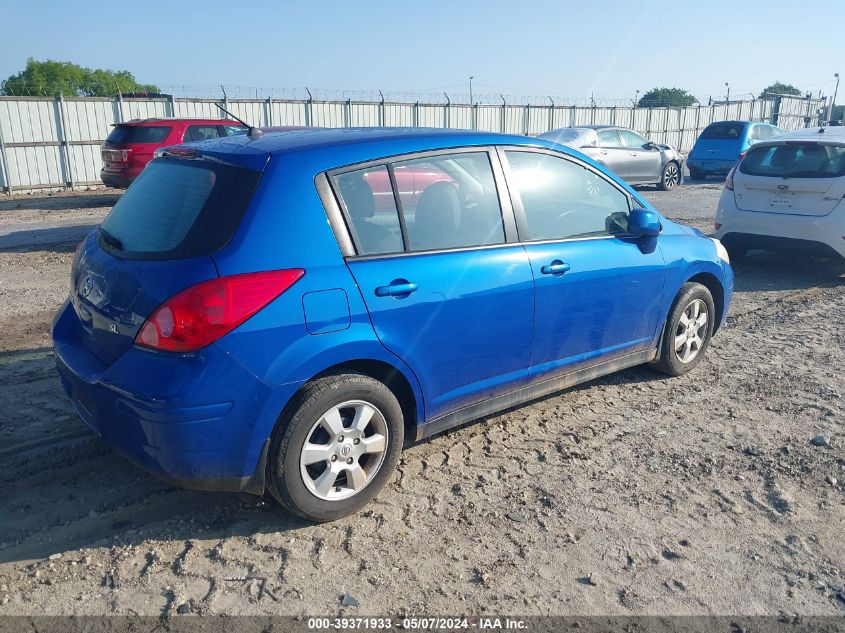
[(130, 146)]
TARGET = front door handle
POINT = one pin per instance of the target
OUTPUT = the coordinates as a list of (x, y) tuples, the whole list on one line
[(396, 288), (557, 267)]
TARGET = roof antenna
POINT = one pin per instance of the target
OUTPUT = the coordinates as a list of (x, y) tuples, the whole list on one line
[(251, 132)]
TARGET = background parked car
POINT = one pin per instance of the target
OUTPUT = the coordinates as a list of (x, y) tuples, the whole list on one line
[(721, 144), (787, 193), (131, 145), (633, 158)]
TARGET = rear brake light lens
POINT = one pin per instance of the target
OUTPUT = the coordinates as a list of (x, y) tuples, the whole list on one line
[(203, 313), (729, 181), (718, 225)]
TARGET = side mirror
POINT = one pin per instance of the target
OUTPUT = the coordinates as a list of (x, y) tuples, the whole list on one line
[(651, 145), (644, 223)]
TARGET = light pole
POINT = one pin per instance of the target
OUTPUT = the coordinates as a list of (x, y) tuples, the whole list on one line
[(637, 98), (728, 98), (833, 101), (470, 89)]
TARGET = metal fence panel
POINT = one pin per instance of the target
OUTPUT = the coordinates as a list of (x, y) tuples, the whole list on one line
[(49, 143)]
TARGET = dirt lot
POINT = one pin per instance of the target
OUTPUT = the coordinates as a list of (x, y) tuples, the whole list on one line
[(632, 494)]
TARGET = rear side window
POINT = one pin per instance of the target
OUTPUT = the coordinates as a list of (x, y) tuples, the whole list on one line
[(177, 209), (454, 203), (723, 131), (201, 133), (367, 196), (447, 201), (795, 160), (563, 199), (126, 134), (609, 138)]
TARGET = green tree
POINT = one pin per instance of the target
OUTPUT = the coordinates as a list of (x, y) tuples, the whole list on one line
[(51, 78), (662, 97), (779, 88)]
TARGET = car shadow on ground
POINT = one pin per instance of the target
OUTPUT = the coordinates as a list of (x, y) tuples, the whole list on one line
[(81, 200), (64, 489), (767, 271), (57, 239)]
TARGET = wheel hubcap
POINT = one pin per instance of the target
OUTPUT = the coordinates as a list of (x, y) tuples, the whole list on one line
[(691, 331), (672, 176), (344, 450)]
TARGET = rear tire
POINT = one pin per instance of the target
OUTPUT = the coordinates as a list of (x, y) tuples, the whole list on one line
[(335, 447), (670, 177), (689, 328)]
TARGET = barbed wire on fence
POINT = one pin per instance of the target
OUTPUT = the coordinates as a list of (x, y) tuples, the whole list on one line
[(304, 93)]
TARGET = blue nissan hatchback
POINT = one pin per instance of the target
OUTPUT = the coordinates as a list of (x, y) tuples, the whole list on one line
[(282, 312)]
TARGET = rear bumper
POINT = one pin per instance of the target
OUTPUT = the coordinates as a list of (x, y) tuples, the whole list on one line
[(817, 235), (710, 167), (118, 180), (201, 420)]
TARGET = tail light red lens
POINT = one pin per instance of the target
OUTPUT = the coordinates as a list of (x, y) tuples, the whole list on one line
[(717, 225), (729, 181), (203, 313)]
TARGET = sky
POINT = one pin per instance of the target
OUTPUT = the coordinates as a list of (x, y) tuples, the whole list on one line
[(608, 49)]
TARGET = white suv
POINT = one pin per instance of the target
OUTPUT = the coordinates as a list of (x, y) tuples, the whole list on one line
[(787, 193)]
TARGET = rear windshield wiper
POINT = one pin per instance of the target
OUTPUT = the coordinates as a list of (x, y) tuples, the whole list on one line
[(110, 240)]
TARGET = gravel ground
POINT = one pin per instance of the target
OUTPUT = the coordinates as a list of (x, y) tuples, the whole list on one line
[(632, 494)]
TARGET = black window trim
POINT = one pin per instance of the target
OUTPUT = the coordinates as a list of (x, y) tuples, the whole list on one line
[(513, 213)]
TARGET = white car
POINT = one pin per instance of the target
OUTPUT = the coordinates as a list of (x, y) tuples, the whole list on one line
[(787, 194)]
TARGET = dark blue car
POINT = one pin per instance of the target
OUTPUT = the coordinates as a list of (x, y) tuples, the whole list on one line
[(282, 313)]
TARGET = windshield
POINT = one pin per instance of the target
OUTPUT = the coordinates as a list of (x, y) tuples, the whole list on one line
[(795, 160), (178, 208), (125, 134), (729, 130)]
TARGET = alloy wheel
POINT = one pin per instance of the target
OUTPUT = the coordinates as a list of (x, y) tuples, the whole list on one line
[(671, 176), (344, 450), (691, 331)]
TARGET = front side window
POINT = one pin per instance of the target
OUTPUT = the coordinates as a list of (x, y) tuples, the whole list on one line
[(632, 139), (563, 199), (367, 197), (453, 203)]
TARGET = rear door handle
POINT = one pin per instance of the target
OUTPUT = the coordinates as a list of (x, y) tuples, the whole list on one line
[(557, 267), (398, 288)]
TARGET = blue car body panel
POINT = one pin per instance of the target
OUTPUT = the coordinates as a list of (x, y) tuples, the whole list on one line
[(485, 321)]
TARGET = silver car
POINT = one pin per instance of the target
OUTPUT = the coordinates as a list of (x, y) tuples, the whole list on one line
[(633, 158)]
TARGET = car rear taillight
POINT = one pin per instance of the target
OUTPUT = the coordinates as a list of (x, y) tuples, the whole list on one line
[(203, 313), (115, 155), (729, 181), (717, 225)]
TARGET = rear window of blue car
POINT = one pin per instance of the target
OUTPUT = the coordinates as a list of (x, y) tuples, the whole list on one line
[(723, 131), (177, 209)]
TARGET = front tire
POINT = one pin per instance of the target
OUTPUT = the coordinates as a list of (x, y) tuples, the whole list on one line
[(670, 177), (689, 328), (335, 447)]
